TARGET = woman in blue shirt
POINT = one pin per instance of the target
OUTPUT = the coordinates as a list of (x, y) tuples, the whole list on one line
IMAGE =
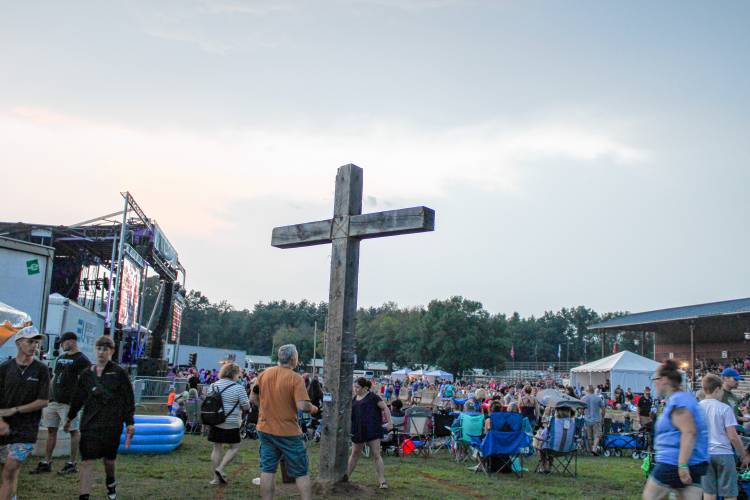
[(681, 440)]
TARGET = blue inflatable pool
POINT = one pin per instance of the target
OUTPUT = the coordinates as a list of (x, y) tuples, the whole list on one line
[(154, 434)]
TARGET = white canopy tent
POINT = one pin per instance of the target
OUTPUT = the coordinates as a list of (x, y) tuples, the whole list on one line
[(400, 374), (625, 369), (441, 375)]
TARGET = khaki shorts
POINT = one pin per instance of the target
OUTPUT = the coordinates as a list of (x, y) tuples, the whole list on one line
[(593, 431), (56, 414)]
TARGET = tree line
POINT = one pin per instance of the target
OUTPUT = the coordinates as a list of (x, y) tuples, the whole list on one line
[(455, 334)]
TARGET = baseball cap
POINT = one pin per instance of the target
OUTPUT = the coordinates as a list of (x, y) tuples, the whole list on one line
[(30, 332), (731, 372), (68, 336)]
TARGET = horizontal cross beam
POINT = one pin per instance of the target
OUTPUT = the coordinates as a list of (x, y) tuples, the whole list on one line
[(302, 235), (392, 222), (375, 225)]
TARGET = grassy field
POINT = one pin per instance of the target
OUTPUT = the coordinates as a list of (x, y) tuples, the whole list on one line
[(185, 474)]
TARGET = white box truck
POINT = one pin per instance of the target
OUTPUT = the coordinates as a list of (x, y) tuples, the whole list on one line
[(65, 315), (25, 280), (207, 357)]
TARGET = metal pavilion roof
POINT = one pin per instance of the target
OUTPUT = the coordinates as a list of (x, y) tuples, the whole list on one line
[(712, 310)]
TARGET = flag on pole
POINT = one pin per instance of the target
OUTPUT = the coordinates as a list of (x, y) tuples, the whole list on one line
[(512, 353), (559, 351)]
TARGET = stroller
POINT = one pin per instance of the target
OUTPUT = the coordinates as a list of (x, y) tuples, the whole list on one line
[(418, 427), (644, 443), (392, 441), (249, 421)]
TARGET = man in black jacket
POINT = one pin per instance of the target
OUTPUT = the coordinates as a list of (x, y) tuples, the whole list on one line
[(106, 395)]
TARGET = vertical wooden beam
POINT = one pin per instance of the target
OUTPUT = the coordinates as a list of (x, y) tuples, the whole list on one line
[(342, 311)]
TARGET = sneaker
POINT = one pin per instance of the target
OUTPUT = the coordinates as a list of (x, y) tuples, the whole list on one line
[(112, 491), (70, 468), (42, 467)]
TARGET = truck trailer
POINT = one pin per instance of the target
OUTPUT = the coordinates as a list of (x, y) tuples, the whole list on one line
[(208, 358), (65, 315), (25, 280)]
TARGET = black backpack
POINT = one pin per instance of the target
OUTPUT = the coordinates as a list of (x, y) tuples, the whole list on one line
[(212, 408)]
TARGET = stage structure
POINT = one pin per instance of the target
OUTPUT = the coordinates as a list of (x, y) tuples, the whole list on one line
[(102, 263)]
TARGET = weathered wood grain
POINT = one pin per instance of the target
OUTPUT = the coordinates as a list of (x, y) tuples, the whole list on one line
[(302, 235), (392, 223)]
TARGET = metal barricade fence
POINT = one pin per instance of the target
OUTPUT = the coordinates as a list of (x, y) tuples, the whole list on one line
[(150, 390), (155, 390)]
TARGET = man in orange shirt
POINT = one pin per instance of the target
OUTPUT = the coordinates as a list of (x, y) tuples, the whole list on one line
[(280, 392)]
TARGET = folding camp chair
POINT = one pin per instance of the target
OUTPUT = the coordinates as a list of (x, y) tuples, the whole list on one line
[(441, 430), (418, 427), (502, 447), (467, 435), (559, 447), (193, 423)]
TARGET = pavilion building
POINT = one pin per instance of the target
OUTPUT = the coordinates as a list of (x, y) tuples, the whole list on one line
[(717, 331)]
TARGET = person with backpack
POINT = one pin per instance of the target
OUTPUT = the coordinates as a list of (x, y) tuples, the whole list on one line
[(222, 411), (105, 394)]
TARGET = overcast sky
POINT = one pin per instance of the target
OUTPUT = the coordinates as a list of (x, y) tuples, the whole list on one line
[(591, 153)]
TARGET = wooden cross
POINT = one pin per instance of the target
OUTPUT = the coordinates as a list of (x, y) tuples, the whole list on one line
[(347, 227)]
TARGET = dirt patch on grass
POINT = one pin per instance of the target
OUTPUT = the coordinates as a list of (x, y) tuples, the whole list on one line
[(345, 490), (455, 488)]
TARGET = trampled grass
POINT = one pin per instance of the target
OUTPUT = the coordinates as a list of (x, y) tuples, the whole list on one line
[(184, 475)]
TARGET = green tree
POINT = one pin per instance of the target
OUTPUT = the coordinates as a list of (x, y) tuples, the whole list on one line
[(460, 336)]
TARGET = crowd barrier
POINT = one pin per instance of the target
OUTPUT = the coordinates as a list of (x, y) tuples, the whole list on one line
[(153, 390)]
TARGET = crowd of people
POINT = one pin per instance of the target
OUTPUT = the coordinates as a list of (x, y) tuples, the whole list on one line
[(707, 365), (698, 438), (92, 401)]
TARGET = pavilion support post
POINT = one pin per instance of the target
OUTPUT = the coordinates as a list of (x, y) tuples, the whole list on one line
[(692, 356), (643, 343)]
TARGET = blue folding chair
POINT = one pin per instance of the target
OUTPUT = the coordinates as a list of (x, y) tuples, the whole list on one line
[(559, 449), (502, 447)]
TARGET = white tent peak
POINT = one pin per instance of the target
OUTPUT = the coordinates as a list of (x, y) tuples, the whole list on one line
[(625, 369), (623, 361)]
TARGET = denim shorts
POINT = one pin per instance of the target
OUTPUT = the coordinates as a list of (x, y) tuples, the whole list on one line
[(292, 448), (721, 476), (669, 476)]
